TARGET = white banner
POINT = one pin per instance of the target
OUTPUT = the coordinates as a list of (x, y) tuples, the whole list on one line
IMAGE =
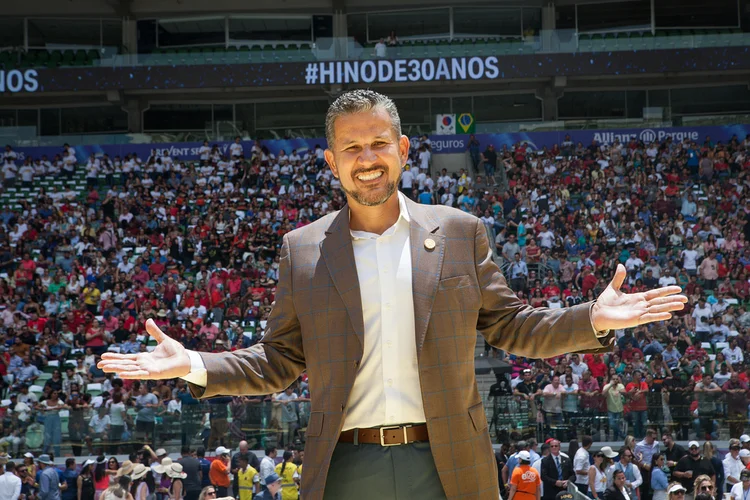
[(445, 124)]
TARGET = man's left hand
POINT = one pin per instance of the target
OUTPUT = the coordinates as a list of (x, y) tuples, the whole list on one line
[(615, 309)]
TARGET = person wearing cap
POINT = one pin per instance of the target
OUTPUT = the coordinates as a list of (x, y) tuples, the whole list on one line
[(442, 283), (745, 458), (741, 489), (691, 466), (219, 471), (745, 441), (675, 491), (85, 480), (273, 488), (732, 465), (525, 484), (49, 480)]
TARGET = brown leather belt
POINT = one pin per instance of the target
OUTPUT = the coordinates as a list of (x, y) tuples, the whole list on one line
[(387, 436)]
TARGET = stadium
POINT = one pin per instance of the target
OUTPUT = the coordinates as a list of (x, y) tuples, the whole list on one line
[(159, 151)]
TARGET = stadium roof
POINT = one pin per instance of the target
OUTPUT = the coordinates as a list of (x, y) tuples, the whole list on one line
[(144, 9)]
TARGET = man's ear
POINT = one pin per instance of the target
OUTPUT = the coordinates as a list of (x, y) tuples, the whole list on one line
[(331, 162), (403, 146)]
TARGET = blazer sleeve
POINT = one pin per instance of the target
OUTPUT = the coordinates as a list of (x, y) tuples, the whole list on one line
[(507, 324), (274, 362)]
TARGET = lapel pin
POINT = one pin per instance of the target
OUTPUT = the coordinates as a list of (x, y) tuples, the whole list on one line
[(429, 244)]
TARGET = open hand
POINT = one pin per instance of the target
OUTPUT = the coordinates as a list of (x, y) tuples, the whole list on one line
[(168, 360), (615, 309)]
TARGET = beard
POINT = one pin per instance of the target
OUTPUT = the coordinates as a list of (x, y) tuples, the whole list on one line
[(373, 198)]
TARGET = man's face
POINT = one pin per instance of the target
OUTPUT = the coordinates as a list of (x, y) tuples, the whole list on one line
[(554, 447), (627, 455), (367, 156), (695, 451)]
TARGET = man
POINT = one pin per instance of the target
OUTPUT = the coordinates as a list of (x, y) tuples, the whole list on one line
[(525, 483), (513, 460), (691, 466), (70, 477), (267, 465), (247, 480), (617, 491), (49, 480), (633, 478), (745, 441), (10, 484), (741, 489), (557, 470), (733, 465), (273, 491), (219, 471), (244, 451), (205, 467), (146, 403), (581, 464), (637, 390), (645, 449), (388, 275), (194, 480)]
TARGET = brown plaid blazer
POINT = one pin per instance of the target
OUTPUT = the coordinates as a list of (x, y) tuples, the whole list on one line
[(316, 325)]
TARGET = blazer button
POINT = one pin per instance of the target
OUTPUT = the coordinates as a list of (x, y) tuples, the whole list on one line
[(342, 407), (356, 364)]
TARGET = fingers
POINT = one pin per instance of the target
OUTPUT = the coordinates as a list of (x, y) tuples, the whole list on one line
[(619, 277), (662, 292), (670, 299), (154, 331), (652, 317), (670, 306), (116, 356)]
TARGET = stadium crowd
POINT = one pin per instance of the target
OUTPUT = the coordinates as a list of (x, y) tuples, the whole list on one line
[(195, 246)]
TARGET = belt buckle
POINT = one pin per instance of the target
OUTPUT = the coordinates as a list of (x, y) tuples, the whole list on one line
[(382, 435)]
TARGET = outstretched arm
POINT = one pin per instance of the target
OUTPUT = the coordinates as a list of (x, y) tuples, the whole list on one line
[(510, 325), (269, 366)]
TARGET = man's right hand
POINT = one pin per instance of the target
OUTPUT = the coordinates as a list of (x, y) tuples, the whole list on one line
[(169, 360)]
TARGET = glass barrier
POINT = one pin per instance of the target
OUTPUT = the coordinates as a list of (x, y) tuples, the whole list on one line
[(331, 49), (262, 422)]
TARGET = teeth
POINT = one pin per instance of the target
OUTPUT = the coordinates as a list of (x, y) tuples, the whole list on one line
[(369, 177)]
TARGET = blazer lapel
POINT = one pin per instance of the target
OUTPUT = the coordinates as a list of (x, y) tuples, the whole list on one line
[(338, 253), (426, 265)]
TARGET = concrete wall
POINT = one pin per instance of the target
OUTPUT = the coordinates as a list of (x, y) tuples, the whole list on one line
[(451, 162)]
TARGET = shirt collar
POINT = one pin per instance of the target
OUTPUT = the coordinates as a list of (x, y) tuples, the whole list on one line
[(403, 214)]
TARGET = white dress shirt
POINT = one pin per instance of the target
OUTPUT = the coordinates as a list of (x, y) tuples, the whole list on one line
[(732, 468), (10, 486), (386, 390)]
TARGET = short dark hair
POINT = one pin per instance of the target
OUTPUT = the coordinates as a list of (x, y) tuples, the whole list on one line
[(201, 452), (270, 449), (586, 441), (185, 450)]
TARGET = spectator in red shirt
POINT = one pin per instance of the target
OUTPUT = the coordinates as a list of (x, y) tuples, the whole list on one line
[(695, 351), (637, 390)]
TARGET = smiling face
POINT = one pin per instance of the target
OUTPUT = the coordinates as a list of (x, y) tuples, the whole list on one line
[(367, 155)]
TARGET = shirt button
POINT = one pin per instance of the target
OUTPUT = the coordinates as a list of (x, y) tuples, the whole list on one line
[(390, 382)]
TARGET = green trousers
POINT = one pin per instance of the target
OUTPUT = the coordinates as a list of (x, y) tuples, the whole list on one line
[(374, 472)]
